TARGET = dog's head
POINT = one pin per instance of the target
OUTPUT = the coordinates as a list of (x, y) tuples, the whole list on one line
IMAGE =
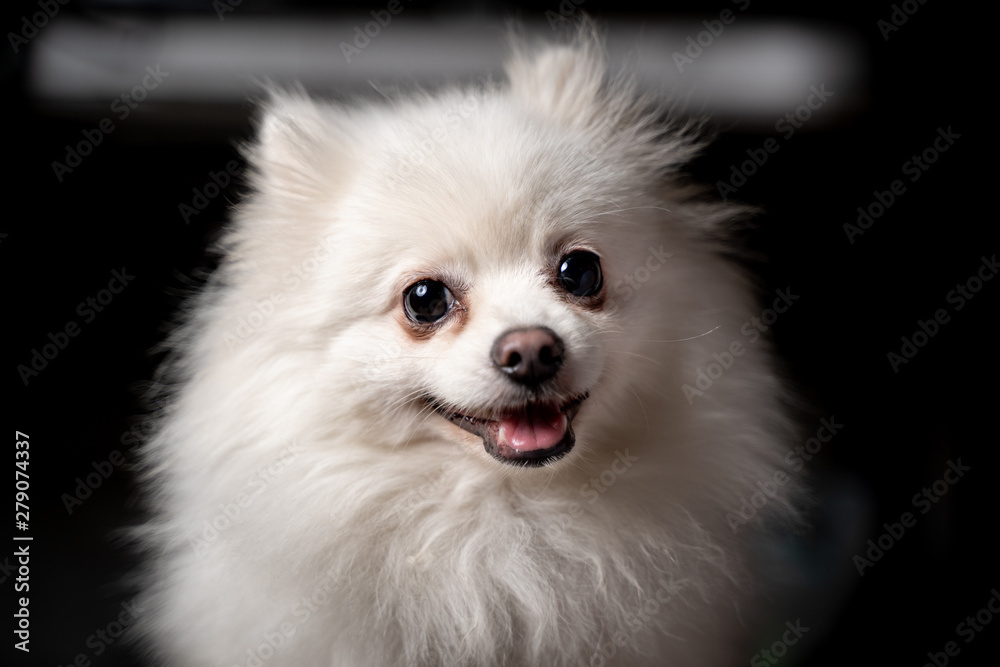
[(489, 266)]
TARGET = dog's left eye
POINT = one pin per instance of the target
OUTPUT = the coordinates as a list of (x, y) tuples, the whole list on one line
[(580, 273), (427, 301)]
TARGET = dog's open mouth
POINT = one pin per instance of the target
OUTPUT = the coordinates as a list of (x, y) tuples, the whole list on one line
[(532, 435)]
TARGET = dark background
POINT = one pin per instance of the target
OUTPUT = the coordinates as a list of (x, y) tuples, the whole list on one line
[(61, 242)]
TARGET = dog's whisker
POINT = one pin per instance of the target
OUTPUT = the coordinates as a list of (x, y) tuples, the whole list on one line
[(642, 405), (675, 340), (644, 357), (632, 208)]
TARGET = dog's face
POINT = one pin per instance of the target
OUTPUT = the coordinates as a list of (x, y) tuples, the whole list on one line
[(495, 299), (502, 329), (473, 288)]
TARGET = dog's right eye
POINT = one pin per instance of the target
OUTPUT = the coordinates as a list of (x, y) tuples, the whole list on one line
[(427, 301), (580, 273)]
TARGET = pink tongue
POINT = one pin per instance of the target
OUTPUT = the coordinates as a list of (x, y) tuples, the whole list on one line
[(538, 427)]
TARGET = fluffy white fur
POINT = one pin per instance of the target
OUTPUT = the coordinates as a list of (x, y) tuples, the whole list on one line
[(312, 510)]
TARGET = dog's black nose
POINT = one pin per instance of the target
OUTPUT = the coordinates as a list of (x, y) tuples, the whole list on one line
[(529, 356)]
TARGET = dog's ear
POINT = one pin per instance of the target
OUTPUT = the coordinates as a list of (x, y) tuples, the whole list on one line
[(564, 82), (302, 147), (302, 160), (570, 84)]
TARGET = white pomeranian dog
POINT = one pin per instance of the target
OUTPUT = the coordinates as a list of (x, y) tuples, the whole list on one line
[(468, 389)]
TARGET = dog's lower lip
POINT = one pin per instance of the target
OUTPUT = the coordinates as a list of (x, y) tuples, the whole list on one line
[(488, 429)]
